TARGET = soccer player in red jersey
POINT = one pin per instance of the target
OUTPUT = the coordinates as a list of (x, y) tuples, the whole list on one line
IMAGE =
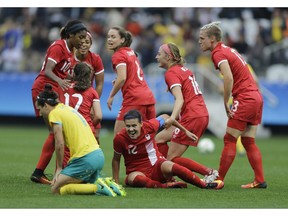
[(83, 54), (56, 71), (145, 165), (189, 107), (130, 78), (82, 97), (246, 111)]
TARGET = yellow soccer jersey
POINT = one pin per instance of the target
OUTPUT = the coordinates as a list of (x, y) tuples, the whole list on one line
[(77, 133)]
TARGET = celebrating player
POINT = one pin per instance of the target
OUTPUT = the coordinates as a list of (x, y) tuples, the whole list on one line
[(189, 107), (246, 111), (130, 78), (56, 70), (145, 165)]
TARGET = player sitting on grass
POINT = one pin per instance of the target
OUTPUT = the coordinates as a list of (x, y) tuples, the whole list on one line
[(145, 165), (86, 157)]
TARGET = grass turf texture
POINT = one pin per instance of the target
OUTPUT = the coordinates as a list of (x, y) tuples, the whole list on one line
[(21, 147)]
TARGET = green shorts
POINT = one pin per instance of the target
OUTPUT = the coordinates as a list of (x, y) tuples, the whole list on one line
[(86, 168)]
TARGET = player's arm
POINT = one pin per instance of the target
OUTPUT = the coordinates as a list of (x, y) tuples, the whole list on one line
[(116, 166), (119, 82), (96, 112), (59, 148), (64, 84), (99, 80), (228, 85), (178, 103), (162, 119)]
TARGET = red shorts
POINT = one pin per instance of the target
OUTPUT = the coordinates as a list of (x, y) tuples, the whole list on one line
[(248, 108), (196, 125), (154, 173), (147, 111)]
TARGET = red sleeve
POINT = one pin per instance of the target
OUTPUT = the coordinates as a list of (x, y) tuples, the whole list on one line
[(118, 143), (171, 79), (152, 125), (97, 63), (217, 58), (56, 53), (118, 58)]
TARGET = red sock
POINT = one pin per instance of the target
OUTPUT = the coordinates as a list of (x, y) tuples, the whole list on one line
[(227, 156), (163, 148), (143, 181), (254, 157), (187, 175), (47, 152), (192, 165)]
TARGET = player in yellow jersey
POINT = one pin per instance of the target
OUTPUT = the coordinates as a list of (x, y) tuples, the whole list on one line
[(240, 149), (86, 157)]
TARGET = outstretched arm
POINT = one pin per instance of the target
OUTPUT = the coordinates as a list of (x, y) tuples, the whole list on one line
[(116, 166), (162, 119)]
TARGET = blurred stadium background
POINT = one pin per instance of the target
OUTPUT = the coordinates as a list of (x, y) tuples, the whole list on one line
[(260, 34)]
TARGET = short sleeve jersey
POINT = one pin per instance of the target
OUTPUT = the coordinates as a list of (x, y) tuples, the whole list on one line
[(243, 80), (77, 134), (194, 105), (93, 60), (135, 90), (82, 101), (59, 53), (142, 153)]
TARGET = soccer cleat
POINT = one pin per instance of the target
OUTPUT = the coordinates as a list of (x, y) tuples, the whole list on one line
[(42, 179), (211, 177), (176, 184), (216, 185), (103, 188), (254, 184), (118, 189)]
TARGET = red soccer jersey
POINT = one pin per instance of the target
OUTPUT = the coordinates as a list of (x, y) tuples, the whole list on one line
[(59, 53), (82, 101), (142, 153), (243, 80), (194, 105), (93, 60), (135, 90)]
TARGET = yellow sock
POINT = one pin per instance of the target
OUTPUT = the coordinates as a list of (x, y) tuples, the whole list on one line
[(78, 189)]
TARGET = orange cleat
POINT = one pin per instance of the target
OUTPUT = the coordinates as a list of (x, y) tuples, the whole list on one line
[(42, 179), (255, 184), (216, 185)]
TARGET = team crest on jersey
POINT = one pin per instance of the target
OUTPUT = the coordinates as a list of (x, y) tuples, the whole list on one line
[(147, 136)]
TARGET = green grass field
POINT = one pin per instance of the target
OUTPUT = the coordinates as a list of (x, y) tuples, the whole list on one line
[(21, 147)]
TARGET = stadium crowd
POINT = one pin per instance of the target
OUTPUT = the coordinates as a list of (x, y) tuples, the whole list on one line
[(25, 33)]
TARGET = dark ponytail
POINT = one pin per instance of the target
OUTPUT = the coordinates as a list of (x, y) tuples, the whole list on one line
[(47, 96)]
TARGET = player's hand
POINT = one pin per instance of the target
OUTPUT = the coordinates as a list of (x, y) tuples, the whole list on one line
[(109, 102), (168, 122), (191, 136), (57, 172), (64, 84)]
